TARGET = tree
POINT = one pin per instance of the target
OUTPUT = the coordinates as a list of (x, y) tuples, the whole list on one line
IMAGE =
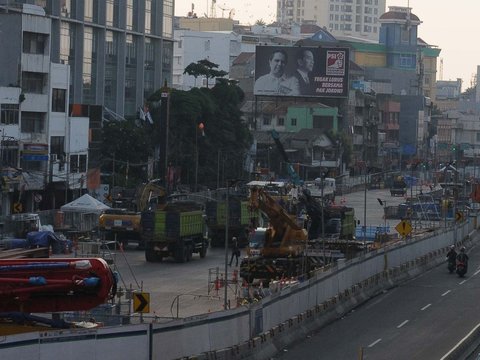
[(204, 68)]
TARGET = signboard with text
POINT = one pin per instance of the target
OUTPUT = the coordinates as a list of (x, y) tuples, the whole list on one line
[(301, 71)]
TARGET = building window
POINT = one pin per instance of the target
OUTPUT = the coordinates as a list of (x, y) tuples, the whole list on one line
[(78, 163), (34, 43), (9, 114), (267, 119), (33, 82), (293, 122), (32, 122), (405, 36), (57, 145), (109, 16), (88, 10), (281, 121), (148, 16), (58, 100), (407, 61), (129, 20), (167, 18)]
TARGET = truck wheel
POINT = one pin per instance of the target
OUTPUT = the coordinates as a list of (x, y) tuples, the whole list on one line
[(189, 253), (203, 251), (151, 256), (180, 254)]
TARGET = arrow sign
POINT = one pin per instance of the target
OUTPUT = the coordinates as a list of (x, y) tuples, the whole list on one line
[(404, 228), (141, 302), (458, 216), (17, 207)]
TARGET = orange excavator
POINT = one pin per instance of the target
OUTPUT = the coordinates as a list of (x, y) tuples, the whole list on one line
[(278, 250), (54, 284)]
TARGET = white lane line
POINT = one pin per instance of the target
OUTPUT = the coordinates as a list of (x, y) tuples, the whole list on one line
[(462, 282), (476, 272), (374, 343), (426, 307), (403, 323), (446, 292), (460, 343)]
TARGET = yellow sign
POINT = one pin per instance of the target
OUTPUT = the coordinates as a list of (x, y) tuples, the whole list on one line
[(141, 302), (458, 216), (404, 228), (17, 207)]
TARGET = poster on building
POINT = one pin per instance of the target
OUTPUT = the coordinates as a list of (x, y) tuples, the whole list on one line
[(301, 71)]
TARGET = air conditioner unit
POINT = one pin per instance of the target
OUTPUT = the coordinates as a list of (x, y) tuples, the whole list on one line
[(53, 157)]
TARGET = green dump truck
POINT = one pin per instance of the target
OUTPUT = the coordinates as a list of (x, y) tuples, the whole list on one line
[(240, 219), (176, 231)]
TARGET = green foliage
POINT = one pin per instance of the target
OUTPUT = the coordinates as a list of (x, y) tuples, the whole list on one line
[(130, 145), (224, 137), (204, 68)]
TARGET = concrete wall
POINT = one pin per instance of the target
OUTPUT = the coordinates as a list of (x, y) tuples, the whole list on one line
[(258, 331)]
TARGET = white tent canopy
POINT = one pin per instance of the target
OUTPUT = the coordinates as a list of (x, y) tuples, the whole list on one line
[(85, 204)]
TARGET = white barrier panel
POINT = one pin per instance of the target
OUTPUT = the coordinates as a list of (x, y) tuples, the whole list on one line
[(101, 343)]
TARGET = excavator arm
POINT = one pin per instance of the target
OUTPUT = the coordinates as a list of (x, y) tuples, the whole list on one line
[(147, 192), (284, 236)]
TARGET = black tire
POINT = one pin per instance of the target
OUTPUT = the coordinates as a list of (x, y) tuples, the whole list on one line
[(152, 256), (189, 252), (203, 251), (180, 254)]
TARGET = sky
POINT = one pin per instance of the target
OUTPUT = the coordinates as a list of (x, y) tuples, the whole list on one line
[(446, 26)]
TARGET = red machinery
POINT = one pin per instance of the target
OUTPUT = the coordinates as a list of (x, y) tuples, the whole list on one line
[(53, 285)]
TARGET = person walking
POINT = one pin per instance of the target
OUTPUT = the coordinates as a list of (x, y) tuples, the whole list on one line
[(235, 251)]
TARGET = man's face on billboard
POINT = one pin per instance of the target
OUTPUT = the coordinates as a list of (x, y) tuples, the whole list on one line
[(308, 61), (277, 64)]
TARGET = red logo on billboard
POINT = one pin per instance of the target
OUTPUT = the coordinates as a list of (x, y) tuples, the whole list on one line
[(335, 63)]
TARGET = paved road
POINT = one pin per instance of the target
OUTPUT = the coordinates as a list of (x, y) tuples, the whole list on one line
[(190, 281), (422, 319)]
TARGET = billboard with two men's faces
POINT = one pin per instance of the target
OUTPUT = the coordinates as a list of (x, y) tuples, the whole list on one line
[(301, 71)]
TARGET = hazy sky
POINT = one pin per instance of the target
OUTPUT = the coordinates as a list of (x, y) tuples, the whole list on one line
[(449, 27)]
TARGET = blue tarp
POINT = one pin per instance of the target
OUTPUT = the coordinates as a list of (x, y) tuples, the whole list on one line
[(48, 239)]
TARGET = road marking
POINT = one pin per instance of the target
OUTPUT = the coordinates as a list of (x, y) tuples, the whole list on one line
[(462, 282), (446, 292), (403, 323), (426, 307), (476, 272), (460, 343), (374, 343)]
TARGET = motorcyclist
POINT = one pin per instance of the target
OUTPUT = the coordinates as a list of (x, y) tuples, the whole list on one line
[(462, 256), (462, 262), (451, 258)]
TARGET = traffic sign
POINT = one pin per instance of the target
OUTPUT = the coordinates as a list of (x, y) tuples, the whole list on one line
[(17, 207), (404, 228), (458, 216), (141, 302)]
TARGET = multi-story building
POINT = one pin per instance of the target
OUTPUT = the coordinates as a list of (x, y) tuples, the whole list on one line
[(340, 17), (119, 51), (39, 139)]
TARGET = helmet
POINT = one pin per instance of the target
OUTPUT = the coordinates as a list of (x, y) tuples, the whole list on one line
[(452, 247), (462, 249)]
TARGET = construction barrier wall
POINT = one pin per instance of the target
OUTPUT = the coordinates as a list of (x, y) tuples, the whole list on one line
[(259, 330)]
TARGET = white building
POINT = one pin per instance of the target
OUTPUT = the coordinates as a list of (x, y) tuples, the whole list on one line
[(38, 138), (340, 17), (219, 47)]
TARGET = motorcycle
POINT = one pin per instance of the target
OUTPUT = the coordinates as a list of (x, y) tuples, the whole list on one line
[(451, 266), (461, 268)]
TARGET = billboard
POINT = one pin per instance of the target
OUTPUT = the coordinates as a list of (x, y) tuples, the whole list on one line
[(301, 71)]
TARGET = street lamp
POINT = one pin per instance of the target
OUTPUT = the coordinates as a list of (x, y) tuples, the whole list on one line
[(227, 220), (201, 128), (384, 204)]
